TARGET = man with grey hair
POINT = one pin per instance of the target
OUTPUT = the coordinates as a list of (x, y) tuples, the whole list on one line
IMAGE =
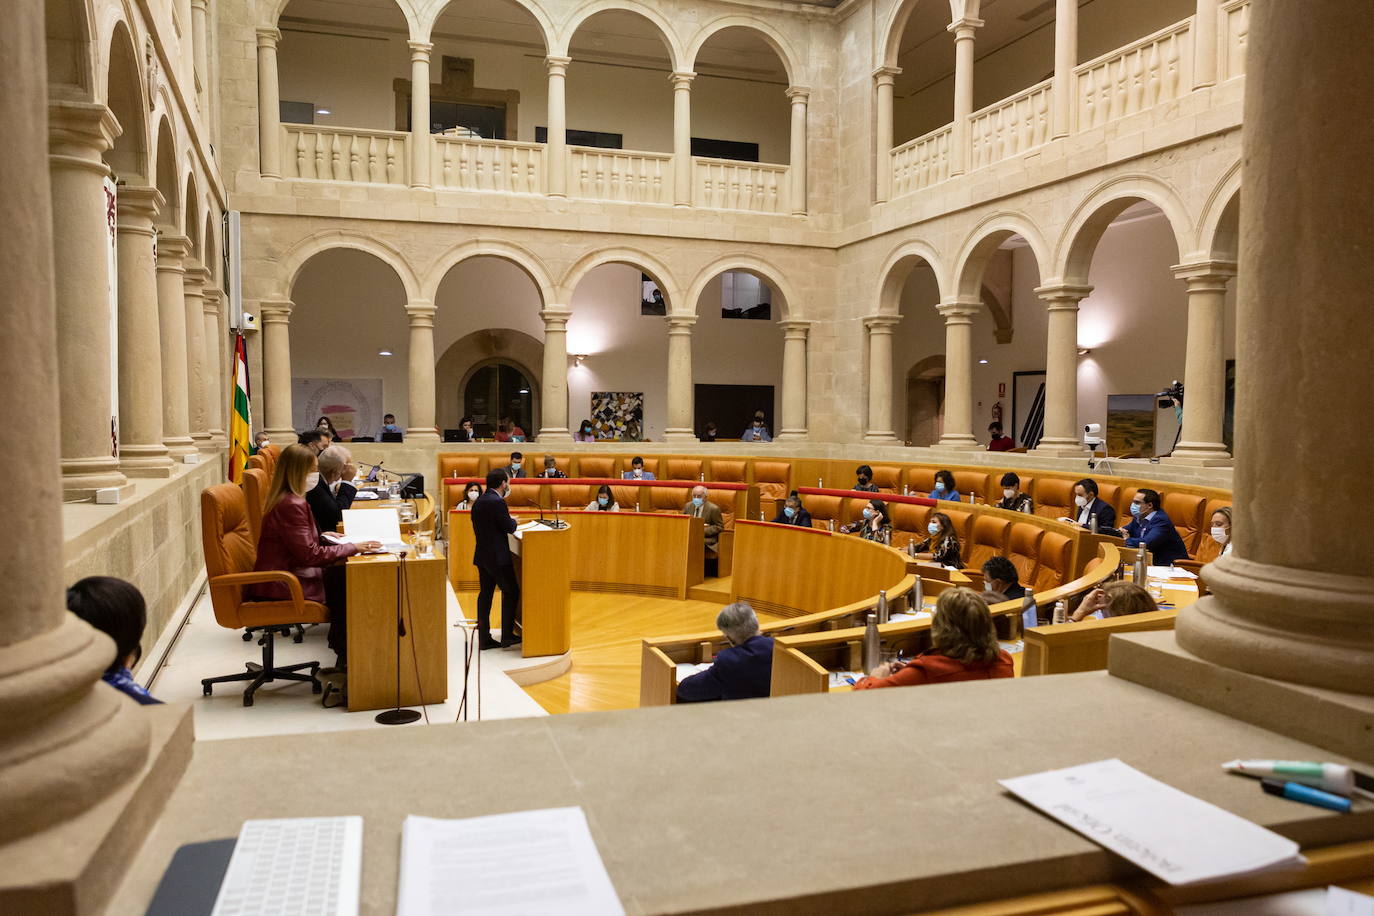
[(700, 506), (740, 672), (332, 493)]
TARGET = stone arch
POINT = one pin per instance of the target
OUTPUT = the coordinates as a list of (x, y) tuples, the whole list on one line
[(676, 55), (628, 256), (752, 265), (273, 10), (1101, 207), (541, 19), (896, 27), (191, 217), (122, 82), (295, 257), (471, 352), (1218, 235), (528, 262), (210, 256), (165, 176), (985, 239), (772, 37), (70, 43), (898, 268)]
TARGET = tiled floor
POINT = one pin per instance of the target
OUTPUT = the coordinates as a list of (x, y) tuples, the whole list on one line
[(205, 649)]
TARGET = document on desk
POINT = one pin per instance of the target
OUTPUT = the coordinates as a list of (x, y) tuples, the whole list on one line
[(527, 862), (374, 525), (1174, 836)]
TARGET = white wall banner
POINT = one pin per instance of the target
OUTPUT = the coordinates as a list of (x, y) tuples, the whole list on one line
[(353, 405), (112, 272)]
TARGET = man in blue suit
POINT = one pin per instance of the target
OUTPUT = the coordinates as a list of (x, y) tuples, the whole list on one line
[(1091, 507), (740, 672), (491, 525), (1152, 527)]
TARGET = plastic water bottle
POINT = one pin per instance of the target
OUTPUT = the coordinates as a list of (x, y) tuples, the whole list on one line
[(871, 643), (761, 518), (884, 612), (820, 483), (1061, 612), (832, 526)]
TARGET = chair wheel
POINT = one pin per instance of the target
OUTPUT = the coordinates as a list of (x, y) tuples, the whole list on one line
[(247, 635), (299, 637), (206, 688)]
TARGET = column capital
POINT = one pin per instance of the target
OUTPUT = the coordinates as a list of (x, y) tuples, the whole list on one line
[(884, 76), (419, 50), (682, 79), (964, 27), (201, 5), (1063, 295), (197, 274), (171, 251), (421, 313), (81, 129), (555, 319), (140, 205), (1206, 273), (269, 38), (881, 324), (275, 311), (681, 324), (793, 328), (210, 300), (959, 309), (799, 94), (557, 65)]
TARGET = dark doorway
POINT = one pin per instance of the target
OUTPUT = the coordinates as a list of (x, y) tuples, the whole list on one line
[(497, 391), (731, 408)]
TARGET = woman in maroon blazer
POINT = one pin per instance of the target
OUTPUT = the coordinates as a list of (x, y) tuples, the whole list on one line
[(291, 542)]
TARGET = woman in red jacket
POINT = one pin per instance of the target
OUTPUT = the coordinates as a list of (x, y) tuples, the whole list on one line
[(965, 647), (291, 542)]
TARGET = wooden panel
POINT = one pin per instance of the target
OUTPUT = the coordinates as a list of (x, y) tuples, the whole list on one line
[(373, 586), (544, 567), (794, 673), (630, 549), (1083, 646), (657, 678)]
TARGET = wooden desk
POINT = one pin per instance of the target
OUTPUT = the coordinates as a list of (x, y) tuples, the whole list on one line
[(424, 511), (373, 584)]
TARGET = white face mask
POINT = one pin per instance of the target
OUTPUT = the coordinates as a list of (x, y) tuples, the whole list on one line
[(472, 496), (1008, 492), (312, 480), (1080, 501), (933, 528), (1220, 535), (515, 465), (638, 473)]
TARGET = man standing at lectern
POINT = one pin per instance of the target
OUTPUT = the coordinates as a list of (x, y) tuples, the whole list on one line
[(491, 525)]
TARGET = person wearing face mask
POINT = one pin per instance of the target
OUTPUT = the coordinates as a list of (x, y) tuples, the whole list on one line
[(1151, 526), (1012, 497), (470, 494), (1217, 543), (604, 502), (756, 431), (1090, 507), (863, 479), (792, 513), (876, 524), (945, 487), (465, 433), (514, 469), (316, 439), (709, 434), (551, 468), (492, 524), (260, 442), (942, 543), (585, 433), (636, 471), (700, 506), (328, 490), (998, 442)]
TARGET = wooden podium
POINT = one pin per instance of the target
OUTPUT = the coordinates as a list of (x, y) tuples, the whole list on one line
[(372, 591), (544, 566)]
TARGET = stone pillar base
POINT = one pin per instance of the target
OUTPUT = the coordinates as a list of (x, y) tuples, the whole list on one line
[(1061, 448), (959, 441), (792, 435), (1340, 722), (555, 432), (162, 470), (1200, 455), (883, 437), (422, 434), (680, 435), (94, 844), (181, 446)]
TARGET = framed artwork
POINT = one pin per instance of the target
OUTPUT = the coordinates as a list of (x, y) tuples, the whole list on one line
[(651, 297), (618, 415), (1131, 425)]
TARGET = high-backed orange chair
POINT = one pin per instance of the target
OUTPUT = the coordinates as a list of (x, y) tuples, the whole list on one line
[(255, 484), (988, 538), (596, 466), (230, 553), (682, 469), (257, 462)]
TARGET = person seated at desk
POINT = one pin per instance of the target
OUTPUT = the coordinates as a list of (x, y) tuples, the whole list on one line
[(998, 442), (863, 479), (290, 541), (465, 433), (942, 546), (585, 433), (604, 502), (1152, 528), (317, 440), (1012, 497), (492, 525), (470, 494), (329, 491), (1220, 534), (741, 672), (963, 648), (502, 433), (551, 468), (709, 434), (636, 471), (876, 525), (1115, 599), (756, 431), (793, 513), (513, 470), (117, 609), (1090, 507), (1000, 576), (513, 429), (324, 424), (389, 426), (699, 506), (945, 488)]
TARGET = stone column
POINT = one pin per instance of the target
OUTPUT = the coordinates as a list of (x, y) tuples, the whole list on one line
[(201, 55), (171, 310), (557, 152), (958, 314), (79, 133), (1065, 59), (276, 369), (197, 376), (680, 390), (421, 401), (216, 367), (796, 163), (141, 449), (960, 151), (420, 141), (1204, 374), (880, 377), (1205, 25), (59, 725), (882, 166), (269, 105), (554, 390), (1294, 600), (794, 336), (1062, 436), (682, 137)]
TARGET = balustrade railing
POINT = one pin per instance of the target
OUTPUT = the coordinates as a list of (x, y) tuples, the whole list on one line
[(488, 165), (727, 184), (1235, 36), (1154, 70), (632, 177), (322, 153), (1011, 126), (922, 162)]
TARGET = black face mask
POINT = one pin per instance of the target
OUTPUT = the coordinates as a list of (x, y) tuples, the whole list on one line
[(863, 480)]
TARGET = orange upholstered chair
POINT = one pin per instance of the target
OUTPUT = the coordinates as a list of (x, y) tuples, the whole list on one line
[(987, 539), (729, 471), (774, 480), (824, 510), (908, 523), (460, 466), (1054, 498), (888, 478), (1055, 552), (255, 484), (682, 469), (230, 554), (257, 462), (920, 480), (1186, 510), (1023, 549), (598, 466)]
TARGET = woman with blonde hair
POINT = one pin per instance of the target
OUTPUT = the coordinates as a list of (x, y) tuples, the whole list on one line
[(1115, 599), (963, 647), (290, 542), (942, 545)]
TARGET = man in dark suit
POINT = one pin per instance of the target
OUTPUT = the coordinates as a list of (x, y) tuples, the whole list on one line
[(1090, 507), (516, 468), (740, 672), (333, 493), (491, 525), (792, 513), (1152, 527)]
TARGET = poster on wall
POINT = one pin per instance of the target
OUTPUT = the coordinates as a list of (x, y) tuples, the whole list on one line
[(112, 275), (1131, 425), (618, 415), (353, 405), (651, 297)]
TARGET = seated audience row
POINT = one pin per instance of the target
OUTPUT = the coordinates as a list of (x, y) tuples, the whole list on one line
[(964, 647)]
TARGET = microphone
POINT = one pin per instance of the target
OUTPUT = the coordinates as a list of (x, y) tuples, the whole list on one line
[(375, 469)]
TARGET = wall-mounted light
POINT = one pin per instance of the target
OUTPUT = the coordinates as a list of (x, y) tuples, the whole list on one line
[(324, 111), (385, 352), (982, 362), (1084, 351), (578, 359)]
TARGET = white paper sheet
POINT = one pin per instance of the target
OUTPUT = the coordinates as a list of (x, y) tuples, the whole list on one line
[(374, 525), (1341, 902), (687, 669), (1169, 572), (527, 862), (1316, 901), (1175, 836)]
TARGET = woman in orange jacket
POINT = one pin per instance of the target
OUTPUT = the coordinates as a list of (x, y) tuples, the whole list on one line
[(965, 648)]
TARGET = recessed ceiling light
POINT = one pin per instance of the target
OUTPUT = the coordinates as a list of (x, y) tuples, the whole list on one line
[(982, 362), (524, 391), (384, 353), (323, 111)]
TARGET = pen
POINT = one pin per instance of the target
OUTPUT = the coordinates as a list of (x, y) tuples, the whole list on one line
[(1294, 791), (1333, 777)]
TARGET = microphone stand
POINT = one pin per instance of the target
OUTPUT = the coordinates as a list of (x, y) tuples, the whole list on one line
[(399, 716)]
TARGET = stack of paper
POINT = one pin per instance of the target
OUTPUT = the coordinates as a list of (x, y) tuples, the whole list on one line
[(687, 669), (382, 525)]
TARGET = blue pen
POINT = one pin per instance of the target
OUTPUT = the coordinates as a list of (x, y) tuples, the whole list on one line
[(1295, 791)]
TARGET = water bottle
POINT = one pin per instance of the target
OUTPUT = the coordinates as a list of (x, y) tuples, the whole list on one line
[(820, 483), (884, 613), (871, 656), (702, 477), (919, 595), (636, 505), (832, 526), (906, 491), (761, 518), (887, 537), (1061, 612), (911, 549), (1092, 523), (1141, 572)]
